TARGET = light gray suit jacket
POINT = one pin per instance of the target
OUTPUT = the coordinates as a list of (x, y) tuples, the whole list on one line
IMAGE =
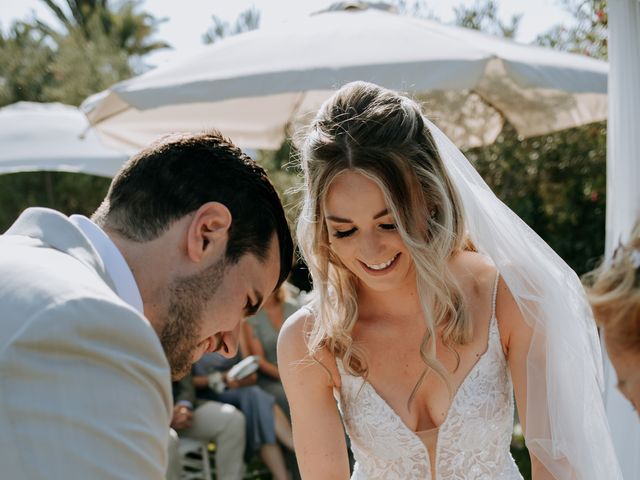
[(85, 389)]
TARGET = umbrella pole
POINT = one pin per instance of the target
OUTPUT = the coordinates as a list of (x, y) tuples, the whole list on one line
[(48, 187)]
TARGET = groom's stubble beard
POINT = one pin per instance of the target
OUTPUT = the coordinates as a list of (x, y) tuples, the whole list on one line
[(188, 297)]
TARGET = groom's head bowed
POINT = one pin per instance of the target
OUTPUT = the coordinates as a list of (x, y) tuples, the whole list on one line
[(205, 235)]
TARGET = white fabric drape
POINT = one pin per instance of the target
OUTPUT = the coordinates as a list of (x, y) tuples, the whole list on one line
[(623, 193)]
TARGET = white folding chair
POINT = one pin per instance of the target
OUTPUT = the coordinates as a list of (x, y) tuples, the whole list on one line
[(194, 458)]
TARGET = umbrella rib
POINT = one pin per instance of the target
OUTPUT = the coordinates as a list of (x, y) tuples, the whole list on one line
[(107, 117), (495, 107)]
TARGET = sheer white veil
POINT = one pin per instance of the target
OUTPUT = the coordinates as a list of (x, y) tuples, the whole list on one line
[(566, 426)]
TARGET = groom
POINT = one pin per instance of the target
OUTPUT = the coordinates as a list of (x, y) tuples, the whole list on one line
[(95, 314)]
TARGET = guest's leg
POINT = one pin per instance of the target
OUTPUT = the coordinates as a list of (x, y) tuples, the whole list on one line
[(283, 427), (271, 455), (276, 389), (224, 424), (258, 407)]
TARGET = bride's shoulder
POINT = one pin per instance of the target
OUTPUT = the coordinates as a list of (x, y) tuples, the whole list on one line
[(298, 326), (293, 350), (297, 329), (475, 273)]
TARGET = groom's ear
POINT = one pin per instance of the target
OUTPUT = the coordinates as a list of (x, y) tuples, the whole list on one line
[(208, 232)]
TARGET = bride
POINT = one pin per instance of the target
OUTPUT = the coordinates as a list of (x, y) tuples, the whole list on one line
[(433, 304)]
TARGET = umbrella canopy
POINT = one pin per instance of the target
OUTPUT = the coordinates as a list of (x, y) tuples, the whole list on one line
[(47, 136), (258, 85)]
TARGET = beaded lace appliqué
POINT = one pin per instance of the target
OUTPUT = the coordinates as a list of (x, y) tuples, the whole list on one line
[(473, 442)]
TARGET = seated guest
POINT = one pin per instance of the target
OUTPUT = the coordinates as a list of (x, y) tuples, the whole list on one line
[(262, 337), (208, 421), (614, 293), (266, 423)]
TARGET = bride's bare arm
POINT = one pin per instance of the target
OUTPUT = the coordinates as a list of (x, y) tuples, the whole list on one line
[(516, 337), (318, 434)]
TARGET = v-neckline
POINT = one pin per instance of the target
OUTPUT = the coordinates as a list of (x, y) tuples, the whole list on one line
[(439, 429)]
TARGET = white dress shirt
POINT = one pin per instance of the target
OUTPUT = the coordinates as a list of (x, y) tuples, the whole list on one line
[(114, 262)]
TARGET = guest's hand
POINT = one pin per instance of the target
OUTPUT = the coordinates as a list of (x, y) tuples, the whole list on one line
[(217, 382), (232, 384), (182, 417), (244, 382)]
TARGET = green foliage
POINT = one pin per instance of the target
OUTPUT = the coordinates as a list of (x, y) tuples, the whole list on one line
[(483, 16), (589, 35), (247, 20), (82, 67), (66, 192), (132, 30), (556, 183), (126, 29), (93, 46), (285, 176), (25, 59), (523, 460), (415, 8)]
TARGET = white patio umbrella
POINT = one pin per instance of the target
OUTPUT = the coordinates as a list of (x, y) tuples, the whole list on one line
[(54, 137), (623, 194), (257, 85)]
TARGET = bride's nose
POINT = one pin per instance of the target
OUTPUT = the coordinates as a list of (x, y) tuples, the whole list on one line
[(370, 246)]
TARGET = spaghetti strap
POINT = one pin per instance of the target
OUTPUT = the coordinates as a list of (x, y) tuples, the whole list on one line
[(494, 296)]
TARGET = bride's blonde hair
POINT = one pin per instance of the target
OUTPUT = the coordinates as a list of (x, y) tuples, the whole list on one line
[(382, 135)]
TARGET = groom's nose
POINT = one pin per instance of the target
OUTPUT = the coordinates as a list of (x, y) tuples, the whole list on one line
[(228, 343)]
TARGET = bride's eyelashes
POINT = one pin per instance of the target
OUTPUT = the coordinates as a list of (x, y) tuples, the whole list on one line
[(351, 231), (344, 233)]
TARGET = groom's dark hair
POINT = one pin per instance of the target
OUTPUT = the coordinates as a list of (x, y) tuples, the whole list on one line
[(177, 175)]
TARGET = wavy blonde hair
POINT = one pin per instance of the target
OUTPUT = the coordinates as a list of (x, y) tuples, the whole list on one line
[(382, 135), (614, 293)]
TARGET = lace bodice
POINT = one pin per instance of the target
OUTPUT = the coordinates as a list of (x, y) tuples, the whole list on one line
[(472, 443)]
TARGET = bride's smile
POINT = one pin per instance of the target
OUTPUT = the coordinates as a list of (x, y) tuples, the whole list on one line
[(363, 233)]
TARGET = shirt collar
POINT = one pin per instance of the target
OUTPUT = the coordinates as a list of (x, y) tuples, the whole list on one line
[(115, 264)]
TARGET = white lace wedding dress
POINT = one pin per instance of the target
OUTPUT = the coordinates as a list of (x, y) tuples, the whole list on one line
[(472, 443)]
